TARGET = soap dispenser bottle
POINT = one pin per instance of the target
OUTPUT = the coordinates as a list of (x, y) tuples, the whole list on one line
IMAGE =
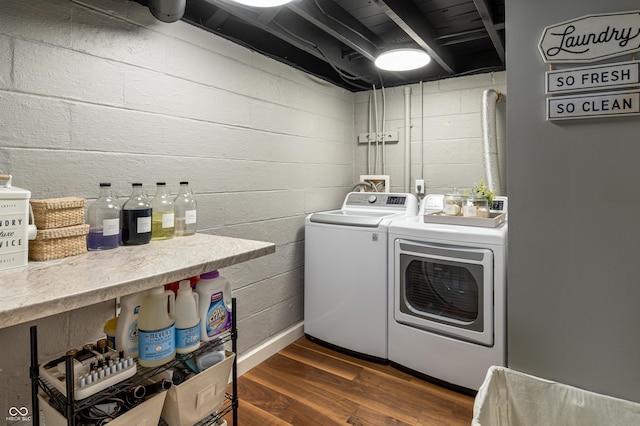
[(187, 319), (156, 328)]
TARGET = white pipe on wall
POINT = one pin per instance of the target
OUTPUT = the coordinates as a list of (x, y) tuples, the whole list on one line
[(407, 139), (421, 132), (490, 98)]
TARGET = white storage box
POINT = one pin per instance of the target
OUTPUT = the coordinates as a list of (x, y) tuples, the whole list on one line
[(145, 414), (511, 398), (14, 224), (198, 397)]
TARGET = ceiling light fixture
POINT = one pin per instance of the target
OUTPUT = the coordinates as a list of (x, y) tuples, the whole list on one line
[(262, 3), (402, 59)]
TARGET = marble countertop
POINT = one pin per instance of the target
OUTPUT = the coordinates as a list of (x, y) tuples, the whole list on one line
[(46, 288)]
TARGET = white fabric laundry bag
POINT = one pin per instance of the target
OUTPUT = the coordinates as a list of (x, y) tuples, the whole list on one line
[(510, 398)]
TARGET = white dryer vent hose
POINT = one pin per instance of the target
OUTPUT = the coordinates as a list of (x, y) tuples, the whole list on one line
[(490, 98)]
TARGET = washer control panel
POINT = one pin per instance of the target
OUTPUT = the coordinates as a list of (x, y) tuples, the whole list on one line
[(378, 199)]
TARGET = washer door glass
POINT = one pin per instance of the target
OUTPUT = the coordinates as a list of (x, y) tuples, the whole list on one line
[(445, 290)]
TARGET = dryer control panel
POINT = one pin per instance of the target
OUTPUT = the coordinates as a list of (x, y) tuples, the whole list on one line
[(499, 205)]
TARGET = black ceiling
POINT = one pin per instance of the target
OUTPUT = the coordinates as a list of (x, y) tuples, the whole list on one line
[(338, 40)]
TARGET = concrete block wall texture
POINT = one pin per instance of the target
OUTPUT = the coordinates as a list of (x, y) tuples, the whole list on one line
[(446, 132), (100, 91), (94, 91)]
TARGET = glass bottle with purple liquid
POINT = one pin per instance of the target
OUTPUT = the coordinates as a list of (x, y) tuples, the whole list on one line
[(103, 217)]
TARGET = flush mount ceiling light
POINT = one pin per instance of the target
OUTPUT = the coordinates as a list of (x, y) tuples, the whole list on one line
[(402, 59), (262, 3)]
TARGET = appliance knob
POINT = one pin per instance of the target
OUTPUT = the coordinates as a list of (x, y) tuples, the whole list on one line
[(372, 199)]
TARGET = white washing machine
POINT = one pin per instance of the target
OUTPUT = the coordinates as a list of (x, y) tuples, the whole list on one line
[(345, 289), (447, 296)]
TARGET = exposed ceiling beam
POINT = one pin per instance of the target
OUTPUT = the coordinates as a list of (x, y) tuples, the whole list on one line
[(411, 20), (331, 18), (487, 19), (216, 19), (309, 39), (462, 37), (267, 14)]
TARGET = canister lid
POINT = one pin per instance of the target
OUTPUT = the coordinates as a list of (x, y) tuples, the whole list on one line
[(110, 326), (210, 275), (14, 193)]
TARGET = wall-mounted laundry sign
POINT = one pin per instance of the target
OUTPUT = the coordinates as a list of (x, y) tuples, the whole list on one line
[(616, 76), (591, 38), (595, 105)]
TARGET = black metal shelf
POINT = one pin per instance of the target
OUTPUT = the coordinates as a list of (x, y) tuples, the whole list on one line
[(70, 408)]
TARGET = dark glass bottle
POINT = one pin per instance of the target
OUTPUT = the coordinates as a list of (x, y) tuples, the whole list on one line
[(136, 218)]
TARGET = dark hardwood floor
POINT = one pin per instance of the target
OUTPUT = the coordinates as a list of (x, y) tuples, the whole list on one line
[(308, 384)]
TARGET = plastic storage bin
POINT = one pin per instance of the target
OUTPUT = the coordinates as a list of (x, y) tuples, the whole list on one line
[(511, 398), (145, 414), (198, 397)]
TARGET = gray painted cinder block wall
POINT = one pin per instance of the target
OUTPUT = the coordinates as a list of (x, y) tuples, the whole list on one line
[(573, 223), (89, 96), (98, 91), (446, 132)]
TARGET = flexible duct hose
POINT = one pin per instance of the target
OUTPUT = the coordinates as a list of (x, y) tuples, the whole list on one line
[(490, 98)]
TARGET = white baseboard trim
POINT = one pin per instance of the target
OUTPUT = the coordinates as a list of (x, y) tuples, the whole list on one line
[(270, 347)]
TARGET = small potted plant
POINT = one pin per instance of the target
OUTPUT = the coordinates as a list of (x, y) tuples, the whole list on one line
[(484, 190), (479, 202)]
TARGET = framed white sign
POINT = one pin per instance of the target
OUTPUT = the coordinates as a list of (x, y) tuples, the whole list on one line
[(591, 38), (595, 105), (617, 76)]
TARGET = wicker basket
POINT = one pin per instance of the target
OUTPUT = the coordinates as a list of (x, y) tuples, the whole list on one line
[(59, 242), (58, 212)]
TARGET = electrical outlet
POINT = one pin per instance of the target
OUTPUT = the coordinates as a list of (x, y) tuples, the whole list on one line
[(419, 189), (385, 137), (388, 137)]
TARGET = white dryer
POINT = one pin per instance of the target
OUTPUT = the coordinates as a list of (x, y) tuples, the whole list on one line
[(345, 276), (447, 297)]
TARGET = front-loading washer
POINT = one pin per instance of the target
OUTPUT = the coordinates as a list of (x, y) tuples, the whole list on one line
[(345, 288), (447, 297)]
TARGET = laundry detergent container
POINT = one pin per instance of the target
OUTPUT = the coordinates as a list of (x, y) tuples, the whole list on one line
[(511, 398)]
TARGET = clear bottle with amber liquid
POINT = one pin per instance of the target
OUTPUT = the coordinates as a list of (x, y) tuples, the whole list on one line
[(162, 214)]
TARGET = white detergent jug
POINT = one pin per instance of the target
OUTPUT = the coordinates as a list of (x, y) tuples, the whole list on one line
[(215, 305), (156, 328), (187, 319), (127, 328)]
